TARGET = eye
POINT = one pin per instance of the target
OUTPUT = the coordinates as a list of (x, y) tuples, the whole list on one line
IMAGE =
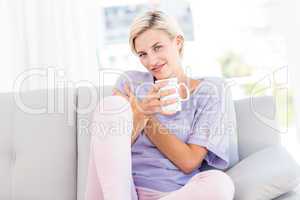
[(158, 47), (141, 55)]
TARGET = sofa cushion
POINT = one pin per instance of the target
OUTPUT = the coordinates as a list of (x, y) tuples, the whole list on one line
[(266, 174), (256, 124), (38, 145)]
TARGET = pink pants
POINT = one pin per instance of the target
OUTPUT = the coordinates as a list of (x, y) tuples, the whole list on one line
[(109, 170)]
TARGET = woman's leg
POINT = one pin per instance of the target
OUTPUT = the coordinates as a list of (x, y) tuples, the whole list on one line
[(93, 187), (149, 194), (211, 184), (109, 172)]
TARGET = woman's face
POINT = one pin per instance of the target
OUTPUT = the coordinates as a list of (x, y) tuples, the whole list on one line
[(158, 53)]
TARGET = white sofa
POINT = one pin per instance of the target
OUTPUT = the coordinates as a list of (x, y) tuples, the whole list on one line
[(44, 153)]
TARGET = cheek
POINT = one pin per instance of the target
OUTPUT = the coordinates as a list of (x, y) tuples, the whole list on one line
[(144, 62), (169, 56), (170, 52), (174, 49), (163, 55), (174, 55)]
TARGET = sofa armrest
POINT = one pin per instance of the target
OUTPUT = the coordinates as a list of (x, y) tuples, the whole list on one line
[(266, 174)]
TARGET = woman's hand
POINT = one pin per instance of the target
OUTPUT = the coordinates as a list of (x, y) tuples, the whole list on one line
[(149, 105), (152, 102)]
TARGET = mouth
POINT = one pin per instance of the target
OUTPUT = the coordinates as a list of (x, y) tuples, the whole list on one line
[(157, 68)]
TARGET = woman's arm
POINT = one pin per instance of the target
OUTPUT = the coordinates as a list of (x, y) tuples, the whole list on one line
[(139, 123), (186, 157)]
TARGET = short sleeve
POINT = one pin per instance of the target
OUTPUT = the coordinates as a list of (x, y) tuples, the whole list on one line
[(208, 131)]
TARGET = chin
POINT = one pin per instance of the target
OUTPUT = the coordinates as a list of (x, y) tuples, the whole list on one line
[(163, 75)]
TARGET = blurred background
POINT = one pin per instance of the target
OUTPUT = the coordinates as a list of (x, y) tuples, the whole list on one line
[(251, 43)]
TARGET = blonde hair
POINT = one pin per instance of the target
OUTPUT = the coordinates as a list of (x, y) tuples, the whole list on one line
[(156, 20)]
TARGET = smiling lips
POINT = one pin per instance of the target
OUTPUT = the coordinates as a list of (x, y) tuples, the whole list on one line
[(157, 68)]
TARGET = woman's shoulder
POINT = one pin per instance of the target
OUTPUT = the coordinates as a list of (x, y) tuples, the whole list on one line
[(210, 88), (211, 85)]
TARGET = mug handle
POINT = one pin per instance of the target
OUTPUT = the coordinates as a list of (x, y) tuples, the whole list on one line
[(187, 91)]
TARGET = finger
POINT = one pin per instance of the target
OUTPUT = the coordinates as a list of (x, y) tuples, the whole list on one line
[(167, 92), (131, 95), (116, 92), (157, 86), (156, 110), (152, 97), (168, 102), (154, 103), (152, 110), (146, 108), (127, 89), (158, 103), (145, 111)]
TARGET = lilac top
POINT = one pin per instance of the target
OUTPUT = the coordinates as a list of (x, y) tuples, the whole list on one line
[(199, 123)]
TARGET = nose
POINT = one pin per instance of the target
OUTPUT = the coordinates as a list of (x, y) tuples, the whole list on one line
[(152, 60)]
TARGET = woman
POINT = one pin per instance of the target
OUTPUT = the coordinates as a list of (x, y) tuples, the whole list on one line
[(168, 153)]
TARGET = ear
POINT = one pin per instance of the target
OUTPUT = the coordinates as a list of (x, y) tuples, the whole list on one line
[(179, 41)]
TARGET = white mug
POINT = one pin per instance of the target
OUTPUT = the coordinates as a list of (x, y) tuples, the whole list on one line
[(173, 83)]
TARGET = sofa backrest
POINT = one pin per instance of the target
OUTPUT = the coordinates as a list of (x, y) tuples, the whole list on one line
[(42, 152), (256, 124), (38, 150)]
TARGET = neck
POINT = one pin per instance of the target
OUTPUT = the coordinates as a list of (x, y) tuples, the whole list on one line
[(182, 77)]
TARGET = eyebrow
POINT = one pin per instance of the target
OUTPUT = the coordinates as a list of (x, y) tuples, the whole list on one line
[(151, 47)]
